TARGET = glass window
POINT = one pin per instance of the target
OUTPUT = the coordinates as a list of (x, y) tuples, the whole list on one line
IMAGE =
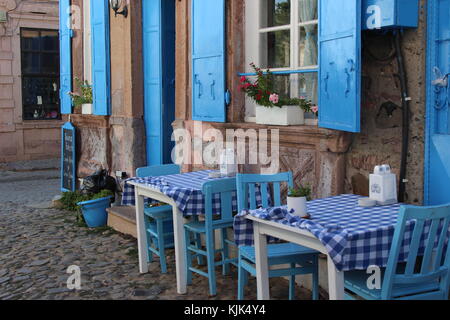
[(288, 41), (40, 74), (276, 50), (275, 13)]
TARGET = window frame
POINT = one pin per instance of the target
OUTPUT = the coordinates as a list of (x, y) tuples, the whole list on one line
[(87, 42), (253, 46), (52, 76)]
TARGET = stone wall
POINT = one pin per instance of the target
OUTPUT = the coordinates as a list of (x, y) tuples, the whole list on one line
[(380, 137), (23, 139), (380, 140), (115, 142)]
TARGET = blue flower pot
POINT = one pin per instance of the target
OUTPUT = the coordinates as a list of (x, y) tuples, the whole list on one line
[(94, 211)]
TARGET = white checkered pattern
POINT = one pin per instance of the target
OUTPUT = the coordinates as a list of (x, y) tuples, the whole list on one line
[(354, 236), (185, 189)]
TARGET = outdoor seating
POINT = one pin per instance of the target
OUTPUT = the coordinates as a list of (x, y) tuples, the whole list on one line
[(278, 254), (425, 273), (223, 188)]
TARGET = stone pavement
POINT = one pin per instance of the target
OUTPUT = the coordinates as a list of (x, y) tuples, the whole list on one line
[(38, 244)]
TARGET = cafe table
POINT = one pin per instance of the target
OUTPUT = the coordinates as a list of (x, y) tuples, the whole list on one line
[(184, 193), (352, 237)]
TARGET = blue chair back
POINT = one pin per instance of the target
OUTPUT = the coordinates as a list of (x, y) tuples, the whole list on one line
[(155, 171), (225, 187), (246, 189), (426, 279)]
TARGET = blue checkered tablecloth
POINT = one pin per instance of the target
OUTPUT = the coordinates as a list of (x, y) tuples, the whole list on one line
[(355, 237), (185, 189)]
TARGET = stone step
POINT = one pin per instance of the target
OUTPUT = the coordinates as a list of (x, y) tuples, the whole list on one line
[(123, 219)]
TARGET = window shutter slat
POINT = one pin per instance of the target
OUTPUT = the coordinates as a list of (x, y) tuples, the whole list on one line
[(208, 60), (65, 49), (340, 64), (100, 57)]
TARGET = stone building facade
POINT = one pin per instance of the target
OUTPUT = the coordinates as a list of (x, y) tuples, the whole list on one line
[(22, 137), (331, 161)]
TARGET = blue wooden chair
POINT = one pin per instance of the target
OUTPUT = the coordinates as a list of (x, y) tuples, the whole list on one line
[(421, 277), (158, 220), (278, 254), (224, 187)]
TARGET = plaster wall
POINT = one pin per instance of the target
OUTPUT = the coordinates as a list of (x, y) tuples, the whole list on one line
[(23, 139)]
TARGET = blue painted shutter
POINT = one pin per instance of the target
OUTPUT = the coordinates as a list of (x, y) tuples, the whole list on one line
[(208, 60), (340, 64), (151, 11), (65, 53), (100, 57)]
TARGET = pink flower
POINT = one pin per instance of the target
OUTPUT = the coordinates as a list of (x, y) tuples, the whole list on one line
[(315, 109), (274, 98), (243, 79), (303, 97)]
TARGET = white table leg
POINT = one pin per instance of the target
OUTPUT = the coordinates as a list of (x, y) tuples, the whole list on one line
[(180, 259), (262, 265), (335, 281), (141, 232)]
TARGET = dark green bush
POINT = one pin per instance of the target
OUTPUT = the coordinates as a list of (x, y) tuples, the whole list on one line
[(70, 199)]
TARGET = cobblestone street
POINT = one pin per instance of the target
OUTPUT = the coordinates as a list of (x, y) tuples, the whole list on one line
[(39, 243)]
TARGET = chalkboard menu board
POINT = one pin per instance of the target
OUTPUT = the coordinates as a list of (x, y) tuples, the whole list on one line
[(68, 158)]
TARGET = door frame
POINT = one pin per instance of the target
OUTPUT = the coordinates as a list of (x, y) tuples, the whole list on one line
[(158, 76), (430, 121)]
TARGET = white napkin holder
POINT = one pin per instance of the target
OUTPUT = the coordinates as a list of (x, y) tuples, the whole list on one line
[(227, 163), (383, 186)]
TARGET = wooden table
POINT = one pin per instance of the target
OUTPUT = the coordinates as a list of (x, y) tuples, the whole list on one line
[(141, 191), (264, 228)]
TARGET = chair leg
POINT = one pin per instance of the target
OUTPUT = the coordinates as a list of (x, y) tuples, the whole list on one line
[(161, 245), (210, 250), (188, 257), (150, 253), (241, 279), (149, 239), (292, 284), (225, 253), (315, 276), (198, 243)]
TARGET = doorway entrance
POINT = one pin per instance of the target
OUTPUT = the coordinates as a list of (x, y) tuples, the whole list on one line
[(437, 157), (159, 78)]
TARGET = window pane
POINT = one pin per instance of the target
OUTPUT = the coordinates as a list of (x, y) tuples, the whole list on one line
[(308, 46), (281, 85), (30, 62), (30, 40), (307, 10), (275, 13), (40, 98), (275, 51), (49, 40), (49, 63), (308, 86)]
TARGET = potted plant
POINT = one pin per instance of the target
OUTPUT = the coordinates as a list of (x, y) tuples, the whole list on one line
[(272, 108), (313, 119), (84, 99), (94, 209), (296, 201)]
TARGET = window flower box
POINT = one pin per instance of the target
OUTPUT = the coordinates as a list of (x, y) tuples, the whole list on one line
[(272, 108), (284, 116)]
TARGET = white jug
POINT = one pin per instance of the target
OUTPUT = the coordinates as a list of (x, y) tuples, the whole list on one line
[(227, 161), (383, 185)]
